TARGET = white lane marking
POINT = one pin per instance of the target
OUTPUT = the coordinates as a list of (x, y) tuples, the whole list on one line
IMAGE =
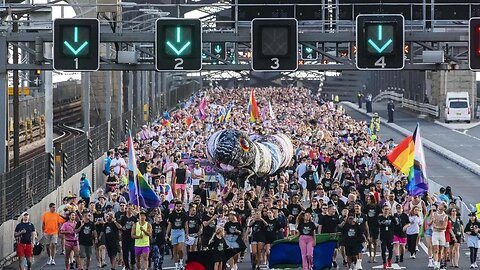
[(424, 248), (465, 133)]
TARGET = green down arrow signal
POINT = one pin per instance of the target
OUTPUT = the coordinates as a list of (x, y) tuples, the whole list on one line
[(218, 49), (308, 50), (75, 40), (179, 40), (380, 38)]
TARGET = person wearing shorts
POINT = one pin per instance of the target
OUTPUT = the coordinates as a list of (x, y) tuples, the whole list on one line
[(177, 228), (69, 230), (87, 236), (51, 222), (25, 234), (194, 225), (110, 233), (439, 224), (141, 232), (181, 181), (399, 234)]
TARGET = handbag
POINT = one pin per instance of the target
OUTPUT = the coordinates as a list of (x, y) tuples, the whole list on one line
[(37, 249)]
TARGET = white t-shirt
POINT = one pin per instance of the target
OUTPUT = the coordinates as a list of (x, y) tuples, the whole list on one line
[(196, 180), (117, 165)]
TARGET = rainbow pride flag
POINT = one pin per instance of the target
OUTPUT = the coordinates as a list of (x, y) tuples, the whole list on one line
[(140, 192), (409, 158), (201, 109), (253, 110)]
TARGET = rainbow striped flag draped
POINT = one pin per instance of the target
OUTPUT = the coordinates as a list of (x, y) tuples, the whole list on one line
[(253, 110), (140, 192), (409, 158), (201, 108)]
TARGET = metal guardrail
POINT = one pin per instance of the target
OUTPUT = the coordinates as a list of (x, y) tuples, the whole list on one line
[(424, 108)]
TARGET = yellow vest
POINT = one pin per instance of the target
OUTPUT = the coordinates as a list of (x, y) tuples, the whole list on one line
[(145, 240)]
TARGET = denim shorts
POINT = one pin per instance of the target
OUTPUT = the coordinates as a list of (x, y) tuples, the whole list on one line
[(177, 236)]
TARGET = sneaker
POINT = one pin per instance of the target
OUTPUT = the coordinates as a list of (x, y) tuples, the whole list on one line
[(384, 266), (358, 265), (99, 265), (413, 256), (472, 266), (49, 262), (389, 263), (475, 264), (397, 259), (334, 264), (430, 263), (53, 262)]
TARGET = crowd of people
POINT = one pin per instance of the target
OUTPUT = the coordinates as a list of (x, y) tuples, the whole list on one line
[(339, 181)]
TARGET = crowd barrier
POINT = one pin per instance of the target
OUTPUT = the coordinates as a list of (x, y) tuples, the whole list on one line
[(413, 105)]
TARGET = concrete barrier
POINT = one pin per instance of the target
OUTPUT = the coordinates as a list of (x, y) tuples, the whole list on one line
[(71, 185)]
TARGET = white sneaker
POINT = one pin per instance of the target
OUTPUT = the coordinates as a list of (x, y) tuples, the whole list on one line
[(359, 265), (413, 256), (53, 261), (475, 264), (430, 263), (124, 268), (49, 262)]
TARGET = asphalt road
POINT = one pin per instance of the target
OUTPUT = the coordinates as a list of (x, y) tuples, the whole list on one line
[(439, 169), (466, 144)]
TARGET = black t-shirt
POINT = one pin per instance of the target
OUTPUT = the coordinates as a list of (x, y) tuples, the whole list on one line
[(294, 210), (258, 230), (351, 234), (308, 176), (272, 184), (181, 176), (25, 238), (243, 215), (127, 225), (177, 220), (111, 233), (85, 235), (471, 226), (372, 211), (158, 233), (142, 167), (193, 224), (330, 224), (400, 221), (119, 215), (361, 221), (98, 217), (218, 245), (386, 228), (307, 228), (272, 225), (295, 188), (209, 230), (232, 227), (203, 195), (327, 184)]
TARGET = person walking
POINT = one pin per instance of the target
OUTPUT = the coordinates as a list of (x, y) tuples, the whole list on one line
[(390, 109), (51, 222), (399, 235), (457, 228), (25, 236), (386, 223), (141, 232), (157, 242), (69, 230), (218, 245), (412, 230), (176, 231), (306, 233), (85, 189), (87, 237), (472, 230), (360, 99), (368, 103), (128, 243), (439, 222)]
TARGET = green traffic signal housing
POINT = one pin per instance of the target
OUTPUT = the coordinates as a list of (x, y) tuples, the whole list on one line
[(380, 40), (76, 44), (178, 44)]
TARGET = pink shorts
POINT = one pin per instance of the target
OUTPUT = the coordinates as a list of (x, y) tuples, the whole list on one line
[(141, 250), (180, 186), (399, 240)]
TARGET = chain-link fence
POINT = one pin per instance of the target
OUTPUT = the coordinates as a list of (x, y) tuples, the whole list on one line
[(99, 137), (24, 186), (75, 155)]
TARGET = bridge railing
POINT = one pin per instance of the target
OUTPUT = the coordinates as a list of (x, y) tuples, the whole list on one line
[(413, 105)]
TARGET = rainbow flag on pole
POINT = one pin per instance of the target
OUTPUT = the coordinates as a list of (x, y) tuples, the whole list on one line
[(409, 158), (201, 108), (140, 192), (253, 110)]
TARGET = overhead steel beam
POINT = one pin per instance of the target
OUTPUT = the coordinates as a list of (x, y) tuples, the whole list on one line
[(230, 67), (339, 37)]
